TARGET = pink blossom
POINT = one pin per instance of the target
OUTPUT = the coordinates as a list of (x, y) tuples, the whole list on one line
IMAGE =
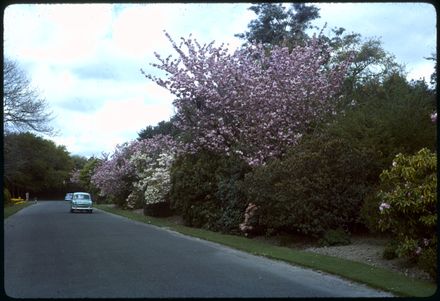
[(434, 117), (249, 101), (418, 251), (117, 173), (384, 206)]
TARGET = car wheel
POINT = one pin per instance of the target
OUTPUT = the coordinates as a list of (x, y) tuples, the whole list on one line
[(71, 210)]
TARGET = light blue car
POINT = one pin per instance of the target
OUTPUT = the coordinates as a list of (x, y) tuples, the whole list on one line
[(81, 201)]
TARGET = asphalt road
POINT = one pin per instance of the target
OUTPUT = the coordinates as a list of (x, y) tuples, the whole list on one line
[(52, 253)]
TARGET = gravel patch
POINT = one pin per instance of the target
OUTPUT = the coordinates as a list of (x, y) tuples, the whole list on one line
[(369, 251)]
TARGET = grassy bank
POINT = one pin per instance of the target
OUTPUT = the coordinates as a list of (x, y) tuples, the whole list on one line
[(11, 209), (373, 276)]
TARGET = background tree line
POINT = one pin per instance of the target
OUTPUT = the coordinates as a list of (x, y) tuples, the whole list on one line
[(31, 163)]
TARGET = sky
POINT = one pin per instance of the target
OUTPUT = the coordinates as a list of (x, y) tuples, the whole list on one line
[(85, 59)]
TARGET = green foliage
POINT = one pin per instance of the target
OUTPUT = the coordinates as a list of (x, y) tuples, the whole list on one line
[(369, 215), (6, 196), (275, 24), (78, 161), (161, 209), (389, 251), (162, 128), (35, 164), (428, 262), (320, 185), (204, 190), (369, 61), (388, 118), (338, 237), (85, 176), (408, 203)]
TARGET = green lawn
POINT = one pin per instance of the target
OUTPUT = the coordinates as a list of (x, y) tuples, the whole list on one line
[(11, 209), (373, 276)]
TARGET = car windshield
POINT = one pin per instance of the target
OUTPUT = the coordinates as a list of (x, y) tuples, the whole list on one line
[(81, 197)]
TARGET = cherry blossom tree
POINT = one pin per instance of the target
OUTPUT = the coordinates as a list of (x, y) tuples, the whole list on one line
[(113, 175), (252, 102), (124, 175)]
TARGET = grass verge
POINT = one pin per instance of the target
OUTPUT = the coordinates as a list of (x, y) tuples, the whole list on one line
[(363, 273), (9, 210)]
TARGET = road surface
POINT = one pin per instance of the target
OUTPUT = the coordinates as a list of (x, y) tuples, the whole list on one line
[(52, 253)]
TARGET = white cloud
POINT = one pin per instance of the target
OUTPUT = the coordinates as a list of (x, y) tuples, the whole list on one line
[(421, 71), (66, 33), (114, 123), (138, 30)]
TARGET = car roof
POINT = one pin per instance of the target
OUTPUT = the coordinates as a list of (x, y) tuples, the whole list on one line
[(81, 193)]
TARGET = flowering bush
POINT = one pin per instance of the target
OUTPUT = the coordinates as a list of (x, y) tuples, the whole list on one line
[(137, 171), (153, 177), (151, 161), (408, 204), (252, 103), (113, 175)]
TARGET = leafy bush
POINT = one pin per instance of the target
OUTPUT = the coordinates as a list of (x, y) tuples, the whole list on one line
[(337, 237), (6, 197), (389, 251), (388, 118), (428, 262), (369, 215), (408, 204), (320, 185), (204, 190), (161, 209)]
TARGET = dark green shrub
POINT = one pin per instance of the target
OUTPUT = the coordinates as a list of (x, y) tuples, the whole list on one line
[(285, 240), (204, 191), (389, 251), (337, 237), (388, 118), (427, 261), (6, 197), (161, 209), (319, 185), (369, 214)]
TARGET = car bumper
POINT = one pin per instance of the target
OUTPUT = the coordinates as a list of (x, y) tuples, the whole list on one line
[(81, 208)]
